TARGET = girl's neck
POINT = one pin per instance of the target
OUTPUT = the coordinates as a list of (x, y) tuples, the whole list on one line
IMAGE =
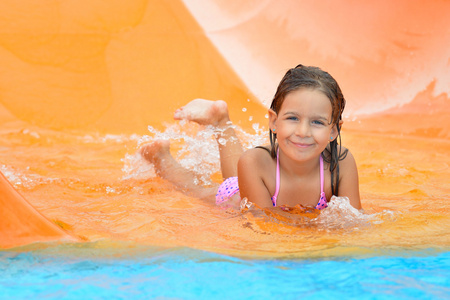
[(296, 168)]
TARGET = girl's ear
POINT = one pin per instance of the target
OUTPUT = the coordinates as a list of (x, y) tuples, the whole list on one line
[(272, 119), (334, 132)]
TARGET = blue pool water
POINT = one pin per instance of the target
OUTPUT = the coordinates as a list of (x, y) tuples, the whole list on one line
[(93, 272)]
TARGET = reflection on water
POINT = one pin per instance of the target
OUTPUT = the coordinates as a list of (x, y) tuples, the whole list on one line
[(97, 187)]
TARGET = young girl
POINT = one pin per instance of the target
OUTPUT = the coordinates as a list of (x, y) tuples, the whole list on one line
[(304, 163)]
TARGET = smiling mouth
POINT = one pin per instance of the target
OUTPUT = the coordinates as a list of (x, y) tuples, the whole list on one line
[(301, 145)]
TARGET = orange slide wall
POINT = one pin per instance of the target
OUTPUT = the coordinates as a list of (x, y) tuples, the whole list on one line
[(119, 66)]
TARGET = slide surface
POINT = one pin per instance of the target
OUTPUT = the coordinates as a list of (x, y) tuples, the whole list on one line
[(76, 69)]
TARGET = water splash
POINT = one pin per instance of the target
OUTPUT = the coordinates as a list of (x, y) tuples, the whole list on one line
[(135, 167), (195, 147), (340, 214), (102, 139), (25, 180)]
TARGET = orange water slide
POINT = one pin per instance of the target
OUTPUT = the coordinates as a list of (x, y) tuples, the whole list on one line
[(382, 53), (119, 66), (21, 223), (108, 67)]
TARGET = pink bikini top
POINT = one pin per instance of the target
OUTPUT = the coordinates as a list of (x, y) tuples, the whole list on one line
[(323, 199)]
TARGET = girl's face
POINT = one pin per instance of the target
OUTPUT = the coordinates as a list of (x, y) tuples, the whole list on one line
[(303, 124)]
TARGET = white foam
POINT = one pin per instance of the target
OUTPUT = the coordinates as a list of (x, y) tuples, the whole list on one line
[(25, 180), (340, 214), (196, 149)]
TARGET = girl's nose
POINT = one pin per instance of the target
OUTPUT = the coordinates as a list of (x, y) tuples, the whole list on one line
[(303, 129)]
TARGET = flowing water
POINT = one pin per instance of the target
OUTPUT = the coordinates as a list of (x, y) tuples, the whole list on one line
[(80, 81), (139, 231)]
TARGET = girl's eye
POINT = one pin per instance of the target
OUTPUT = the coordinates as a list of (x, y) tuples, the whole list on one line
[(292, 118), (317, 122)]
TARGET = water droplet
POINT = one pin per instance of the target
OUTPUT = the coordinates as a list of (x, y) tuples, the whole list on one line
[(244, 109), (110, 190)]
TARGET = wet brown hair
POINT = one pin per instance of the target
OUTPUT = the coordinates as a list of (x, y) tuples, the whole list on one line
[(316, 79)]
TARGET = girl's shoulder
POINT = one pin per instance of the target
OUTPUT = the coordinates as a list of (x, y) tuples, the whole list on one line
[(259, 151), (256, 176), (345, 159), (341, 155), (347, 165), (257, 157), (348, 179)]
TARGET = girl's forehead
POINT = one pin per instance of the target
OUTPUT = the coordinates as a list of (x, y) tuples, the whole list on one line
[(307, 100)]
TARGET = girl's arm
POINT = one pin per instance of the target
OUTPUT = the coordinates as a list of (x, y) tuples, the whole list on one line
[(348, 180), (250, 177)]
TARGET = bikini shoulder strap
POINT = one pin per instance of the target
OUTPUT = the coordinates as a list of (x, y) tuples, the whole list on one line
[(321, 174)]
